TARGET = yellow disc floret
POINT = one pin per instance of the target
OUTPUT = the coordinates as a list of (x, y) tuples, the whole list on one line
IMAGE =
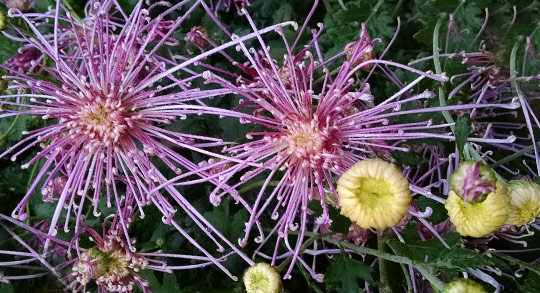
[(262, 278), (524, 202), (481, 218), (374, 194)]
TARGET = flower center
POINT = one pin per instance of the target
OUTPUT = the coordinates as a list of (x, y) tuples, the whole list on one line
[(101, 120), (306, 142), (374, 193), (110, 266)]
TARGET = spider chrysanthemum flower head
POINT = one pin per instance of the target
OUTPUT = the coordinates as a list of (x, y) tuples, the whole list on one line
[(22, 5), (463, 286), (262, 278), (374, 194), (480, 218), (524, 199), (197, 37), (111, 265), (473, 181)]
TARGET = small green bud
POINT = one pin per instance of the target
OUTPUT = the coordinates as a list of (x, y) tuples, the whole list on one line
[(463, 286)]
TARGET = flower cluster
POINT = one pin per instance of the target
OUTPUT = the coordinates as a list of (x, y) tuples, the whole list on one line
[(478, 203)]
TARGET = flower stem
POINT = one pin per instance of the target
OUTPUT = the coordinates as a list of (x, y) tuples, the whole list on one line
[(518, 262), (32, 173), (370, 251), (71, 10), (514, 156), (383, 274), (256, 184)]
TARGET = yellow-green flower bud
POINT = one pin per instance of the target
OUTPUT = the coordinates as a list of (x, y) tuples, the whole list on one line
[(3, 20), (374, 194), (463, 286), (262, 278), (524, 202), (480, 218)]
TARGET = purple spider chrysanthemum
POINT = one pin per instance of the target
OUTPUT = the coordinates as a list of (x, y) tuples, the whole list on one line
[(313, 131), (106, 102)]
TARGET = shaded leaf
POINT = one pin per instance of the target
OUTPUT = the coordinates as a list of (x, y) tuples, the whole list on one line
[(343, 275), (462, 131)]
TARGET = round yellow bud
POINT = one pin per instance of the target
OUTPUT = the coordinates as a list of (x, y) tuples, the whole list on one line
[(463, 286), (524, 202), (262, 278), (374, 194), (481, 218)]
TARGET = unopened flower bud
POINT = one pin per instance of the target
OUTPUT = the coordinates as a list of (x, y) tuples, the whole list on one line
[(3, 85), (3, 20), (361, 50), (197, 37), (480, 218), (473, 181), (22, 5), (262, 278), (374, 194), (524, 199), (463, 286)]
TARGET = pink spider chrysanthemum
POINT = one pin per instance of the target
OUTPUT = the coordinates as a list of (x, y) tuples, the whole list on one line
[(107, 262), (107, 98), (312, 131)]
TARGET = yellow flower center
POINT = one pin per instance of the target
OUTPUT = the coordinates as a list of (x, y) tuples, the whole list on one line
[(103, 121), (305, 142), (374, 192)]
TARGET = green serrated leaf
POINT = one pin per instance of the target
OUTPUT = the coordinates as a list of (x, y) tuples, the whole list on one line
[(458, 259), (530, 284), (340, 223), (343, 26), (229, 224), (343, 274), (462, 131), (169, 283), (8, 48)]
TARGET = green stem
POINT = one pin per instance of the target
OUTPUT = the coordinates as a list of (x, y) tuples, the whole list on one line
[(374, 10), (442, 96), (32, 173), (327, 5), (71, 10), (407, 278), (321, 79), (522, 99), (11, 126), (438, 71), (370, 251), (383, 273), (308, 278), (513, 156), (426, 272), (518, 262), (286, 262), (256, 184)]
